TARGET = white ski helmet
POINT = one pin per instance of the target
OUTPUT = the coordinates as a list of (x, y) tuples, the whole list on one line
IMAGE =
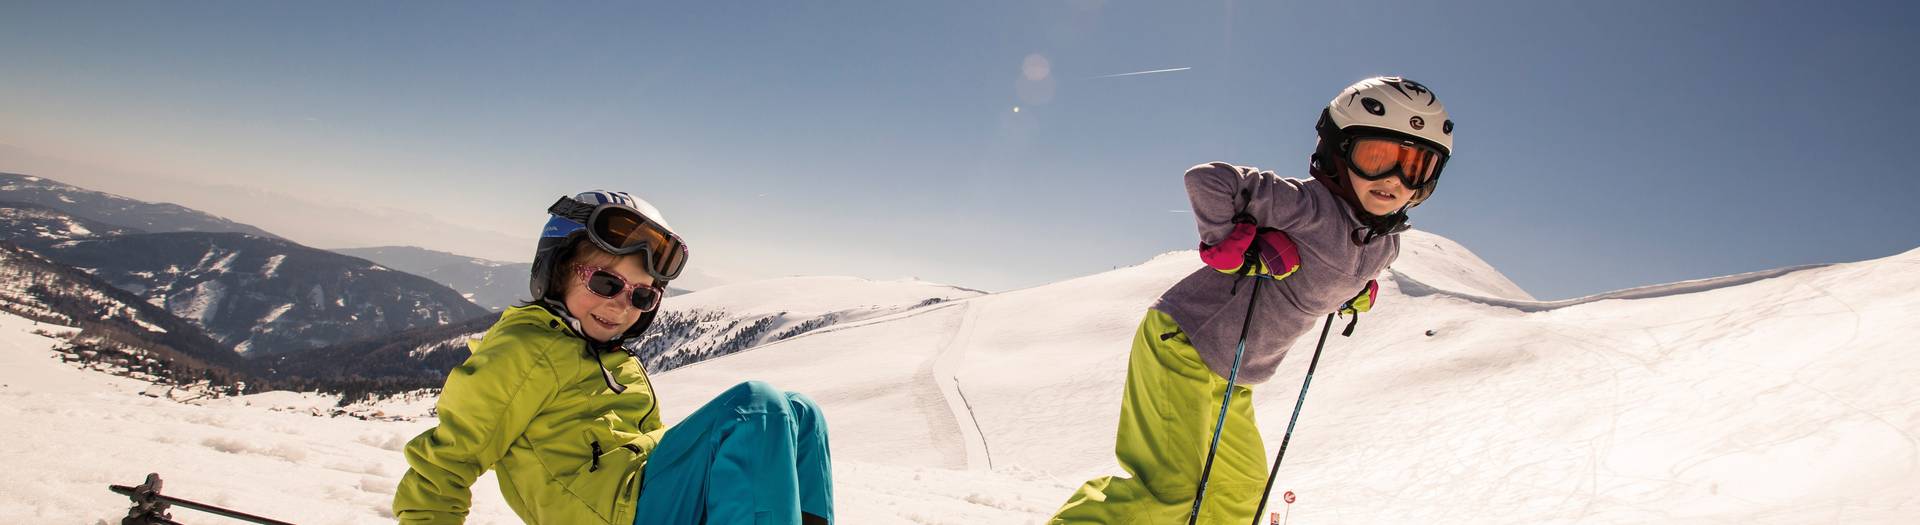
[(1395, 105), (1381, 107)]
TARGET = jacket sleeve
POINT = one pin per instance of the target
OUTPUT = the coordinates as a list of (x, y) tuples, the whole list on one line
[(1219, 191), (487, 403)]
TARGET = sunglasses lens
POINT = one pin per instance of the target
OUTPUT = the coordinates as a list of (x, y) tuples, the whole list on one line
[(646, 298), (605, 284)]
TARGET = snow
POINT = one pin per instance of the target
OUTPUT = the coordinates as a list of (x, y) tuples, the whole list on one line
[(74, 229), (755, 312), (198, 303), (275, 314), (423, 350), (143, 324), (1775, 397), (272, 267), (224, 264), (210, 264), (1783, 396), (1444, 264), (801, 296)]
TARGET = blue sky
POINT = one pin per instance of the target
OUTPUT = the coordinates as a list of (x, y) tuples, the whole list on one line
[(1600, 145)]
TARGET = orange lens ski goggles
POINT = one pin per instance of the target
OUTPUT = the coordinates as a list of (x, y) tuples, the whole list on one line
[(1375, 158)]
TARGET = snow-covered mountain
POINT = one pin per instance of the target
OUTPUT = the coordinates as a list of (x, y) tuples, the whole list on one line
[(35, 225), (493, 285), (701, 325), (1776, 397), (114, 327), (265, 295), (251, 293), (728, 319), (383, 365), (113, 209)]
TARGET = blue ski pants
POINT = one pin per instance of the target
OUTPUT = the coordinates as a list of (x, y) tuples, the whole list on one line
[(752, 455)]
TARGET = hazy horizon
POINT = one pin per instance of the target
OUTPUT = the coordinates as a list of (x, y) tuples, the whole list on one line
[(1599, 147)]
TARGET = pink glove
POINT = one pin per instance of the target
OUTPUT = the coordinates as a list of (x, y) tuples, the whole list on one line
[(1277, 256), (1231, 252)]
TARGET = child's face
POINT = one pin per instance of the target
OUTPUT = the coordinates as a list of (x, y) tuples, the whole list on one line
[(602, 318), (1379, 197)]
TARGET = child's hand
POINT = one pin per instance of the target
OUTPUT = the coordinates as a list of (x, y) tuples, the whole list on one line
[(1269, 251), (1231, 253)]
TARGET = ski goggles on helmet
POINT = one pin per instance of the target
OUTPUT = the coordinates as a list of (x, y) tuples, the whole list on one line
[(621, 230), (609, 285), (1375, 158)]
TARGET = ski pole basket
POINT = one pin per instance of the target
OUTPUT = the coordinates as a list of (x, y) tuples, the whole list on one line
[(150, 507)]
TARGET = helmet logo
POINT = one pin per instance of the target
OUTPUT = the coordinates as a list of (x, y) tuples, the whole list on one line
[(1403, 86), (1373, 106), (1417, 122)]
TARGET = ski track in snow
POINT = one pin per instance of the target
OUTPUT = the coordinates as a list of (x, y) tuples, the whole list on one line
[(945, 375)]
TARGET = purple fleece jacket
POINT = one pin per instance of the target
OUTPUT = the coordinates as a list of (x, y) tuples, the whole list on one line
[(1333, 268)]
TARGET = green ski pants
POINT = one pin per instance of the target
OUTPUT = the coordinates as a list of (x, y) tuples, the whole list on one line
[(1166, 422)]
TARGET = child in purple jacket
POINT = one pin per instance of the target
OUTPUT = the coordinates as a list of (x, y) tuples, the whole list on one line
[(1311, 247)]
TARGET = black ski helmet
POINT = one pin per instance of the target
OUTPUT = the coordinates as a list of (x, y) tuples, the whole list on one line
[(558, 240)]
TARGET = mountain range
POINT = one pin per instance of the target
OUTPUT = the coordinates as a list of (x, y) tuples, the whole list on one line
[(363, 321), (107, 208)]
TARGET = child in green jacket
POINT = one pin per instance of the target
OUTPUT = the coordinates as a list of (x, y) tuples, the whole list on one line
[(555, 402)]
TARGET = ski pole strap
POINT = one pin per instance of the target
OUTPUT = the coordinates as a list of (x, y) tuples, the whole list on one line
[(1359, 303)]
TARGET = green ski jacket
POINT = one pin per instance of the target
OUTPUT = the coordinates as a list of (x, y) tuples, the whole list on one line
[(567, 429)]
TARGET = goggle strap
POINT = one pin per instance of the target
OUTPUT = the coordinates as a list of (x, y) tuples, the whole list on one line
[(571, 209), (581, 212)]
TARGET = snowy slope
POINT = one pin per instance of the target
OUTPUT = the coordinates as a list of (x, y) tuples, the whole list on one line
[(1443, 264), (817, 295), (1777, 397), (726, 319), (71, 432)]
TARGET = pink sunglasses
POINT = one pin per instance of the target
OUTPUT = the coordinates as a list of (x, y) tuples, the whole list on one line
[(610, 285)]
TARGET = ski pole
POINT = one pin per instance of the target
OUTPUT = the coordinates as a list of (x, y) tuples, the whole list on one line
[(1225, 400), (150, 506), (1271, 475)]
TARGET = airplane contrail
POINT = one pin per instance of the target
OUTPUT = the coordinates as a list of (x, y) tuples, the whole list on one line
[(1146, 72)]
